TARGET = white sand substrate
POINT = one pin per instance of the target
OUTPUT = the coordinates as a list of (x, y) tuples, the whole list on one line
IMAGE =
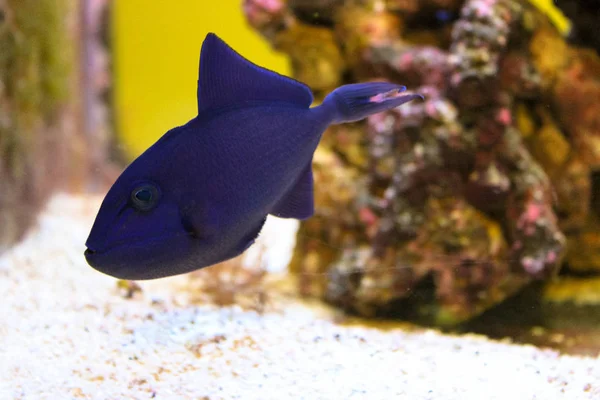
[(67, 333)]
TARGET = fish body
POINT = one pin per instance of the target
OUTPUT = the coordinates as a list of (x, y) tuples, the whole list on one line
[(201, 194)]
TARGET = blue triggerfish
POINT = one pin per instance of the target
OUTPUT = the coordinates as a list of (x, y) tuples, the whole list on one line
[(201, 194)]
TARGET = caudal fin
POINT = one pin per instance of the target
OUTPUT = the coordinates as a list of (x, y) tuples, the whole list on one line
[(354, 102)]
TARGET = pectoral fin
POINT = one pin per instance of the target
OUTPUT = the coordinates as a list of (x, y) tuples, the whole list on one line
[(298, 202), (200, 220)]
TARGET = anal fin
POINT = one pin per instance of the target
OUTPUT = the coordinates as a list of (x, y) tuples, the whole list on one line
[(298, 202)]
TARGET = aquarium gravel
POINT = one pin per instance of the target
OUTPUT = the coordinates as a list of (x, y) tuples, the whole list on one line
[(68, 333)]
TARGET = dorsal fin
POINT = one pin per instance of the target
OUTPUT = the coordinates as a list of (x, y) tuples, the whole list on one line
[(226, 78)]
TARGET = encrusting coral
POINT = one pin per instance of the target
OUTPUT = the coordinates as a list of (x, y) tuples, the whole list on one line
[(460, 200)]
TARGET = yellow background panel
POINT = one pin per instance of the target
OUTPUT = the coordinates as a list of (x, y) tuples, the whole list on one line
[(156, 53)]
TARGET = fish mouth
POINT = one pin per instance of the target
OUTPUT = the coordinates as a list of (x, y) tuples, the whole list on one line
[(91, 256), (116, 261), (98, 261)]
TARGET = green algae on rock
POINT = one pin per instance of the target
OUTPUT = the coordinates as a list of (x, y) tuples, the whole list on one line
[(35, 65), (43, 144)]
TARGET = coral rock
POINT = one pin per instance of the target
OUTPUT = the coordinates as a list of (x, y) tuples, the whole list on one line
[(315, 56), (584, 247), (448, 206), (549, 54), (267, 16), (359, 28), (576, 96)]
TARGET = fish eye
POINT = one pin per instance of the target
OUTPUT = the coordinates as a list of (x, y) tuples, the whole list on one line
[(144, 197)]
